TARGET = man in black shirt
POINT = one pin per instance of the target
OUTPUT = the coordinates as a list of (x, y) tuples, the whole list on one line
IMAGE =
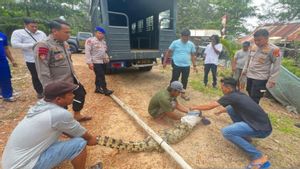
[(249, 120)]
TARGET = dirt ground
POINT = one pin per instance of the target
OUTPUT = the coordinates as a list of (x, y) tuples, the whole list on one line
[(203, 148)]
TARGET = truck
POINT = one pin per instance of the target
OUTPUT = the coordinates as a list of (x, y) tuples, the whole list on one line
[(77, 42), (137, 31)]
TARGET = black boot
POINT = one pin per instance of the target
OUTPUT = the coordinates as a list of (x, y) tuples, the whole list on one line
[(108, 92), (99, 90)]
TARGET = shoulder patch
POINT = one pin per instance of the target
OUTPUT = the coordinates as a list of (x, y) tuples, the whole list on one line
[(276, 52), (43, 52)]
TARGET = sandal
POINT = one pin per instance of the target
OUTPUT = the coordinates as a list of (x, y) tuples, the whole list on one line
[(99, 165), (259, 165), (84, 118)]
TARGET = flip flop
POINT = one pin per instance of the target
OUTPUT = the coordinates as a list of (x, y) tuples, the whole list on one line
[(85, 118), (205, 121), (265, 165), (99, 165)]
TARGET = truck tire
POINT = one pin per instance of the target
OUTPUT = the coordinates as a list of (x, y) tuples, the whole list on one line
[(145, 69), (73, 48)]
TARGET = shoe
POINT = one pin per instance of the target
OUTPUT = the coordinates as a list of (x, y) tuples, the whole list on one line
[(99, 90), (297, 125), (10, 99), (108, 92), (40, 95)]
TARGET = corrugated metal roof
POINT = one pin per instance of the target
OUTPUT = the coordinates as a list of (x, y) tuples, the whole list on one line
[(287, 31)]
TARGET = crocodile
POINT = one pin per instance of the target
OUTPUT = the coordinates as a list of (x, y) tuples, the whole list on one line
[(171, 136)]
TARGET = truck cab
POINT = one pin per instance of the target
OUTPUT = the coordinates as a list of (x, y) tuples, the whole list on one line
[(137, 31), (77, 42)]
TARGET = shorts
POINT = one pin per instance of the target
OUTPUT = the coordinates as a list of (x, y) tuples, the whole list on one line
[(59, 152)]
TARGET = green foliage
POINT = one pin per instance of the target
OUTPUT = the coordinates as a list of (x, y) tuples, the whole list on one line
[(291, 65), (206, 14), (74, 11), (283, 11), (231, 47)]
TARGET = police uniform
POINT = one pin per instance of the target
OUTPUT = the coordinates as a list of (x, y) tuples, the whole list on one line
[(262, 66), (53, 63), (95, 52), (5, 75)]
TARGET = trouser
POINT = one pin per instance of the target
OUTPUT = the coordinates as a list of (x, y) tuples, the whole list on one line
[(6, 88), (60, 151), (5, 79), (213, 68), (99, 70), (184, 71), (254, 88), (37, 85), (237, 74), (239, 130), (79, 98)]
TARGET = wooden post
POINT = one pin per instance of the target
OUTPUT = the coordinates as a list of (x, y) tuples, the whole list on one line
[(156, 137)]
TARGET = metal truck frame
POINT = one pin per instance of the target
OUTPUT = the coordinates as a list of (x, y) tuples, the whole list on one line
[(137, 31)]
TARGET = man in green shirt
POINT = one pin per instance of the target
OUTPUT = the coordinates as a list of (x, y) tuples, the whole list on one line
[(164, 102)]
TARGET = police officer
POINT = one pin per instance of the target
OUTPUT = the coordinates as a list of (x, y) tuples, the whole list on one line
[(262, 66), (97, 58), (53, 63)]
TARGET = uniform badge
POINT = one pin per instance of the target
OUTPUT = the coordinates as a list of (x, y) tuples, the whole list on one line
[(43, 52), (276, 52)]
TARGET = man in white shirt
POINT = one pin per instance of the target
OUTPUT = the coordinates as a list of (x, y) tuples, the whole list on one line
[(25, 39), (211, 53)]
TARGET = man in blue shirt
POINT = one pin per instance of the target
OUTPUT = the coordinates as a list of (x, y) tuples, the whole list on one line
[(183, 54), (5, 75)]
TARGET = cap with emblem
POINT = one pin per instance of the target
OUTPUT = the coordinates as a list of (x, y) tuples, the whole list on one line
[(100, 29), (55, 89), (176, 85)]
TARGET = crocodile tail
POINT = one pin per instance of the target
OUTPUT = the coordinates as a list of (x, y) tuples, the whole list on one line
[(138, 146)]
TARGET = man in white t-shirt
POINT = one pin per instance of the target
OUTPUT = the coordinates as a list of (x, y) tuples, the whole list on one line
[(25, 39), (34, 143), (211, 54)]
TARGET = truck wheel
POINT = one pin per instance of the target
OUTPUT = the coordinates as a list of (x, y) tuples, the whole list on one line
[(145, 69), (73, 48)]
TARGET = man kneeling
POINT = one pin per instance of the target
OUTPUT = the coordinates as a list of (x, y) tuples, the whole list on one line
[(34, 143), (164, 102), (249, 120)]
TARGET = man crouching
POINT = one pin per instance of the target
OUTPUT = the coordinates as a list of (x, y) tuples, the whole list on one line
[(34, 143)]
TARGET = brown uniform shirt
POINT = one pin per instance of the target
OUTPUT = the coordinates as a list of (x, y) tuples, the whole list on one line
[(263, 63), (53, 61)]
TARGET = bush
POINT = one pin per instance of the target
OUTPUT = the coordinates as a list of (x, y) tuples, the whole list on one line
[(291, 65)]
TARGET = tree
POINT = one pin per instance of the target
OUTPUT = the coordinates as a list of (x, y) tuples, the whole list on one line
[(206, 14), (12, 13), (282, 11)]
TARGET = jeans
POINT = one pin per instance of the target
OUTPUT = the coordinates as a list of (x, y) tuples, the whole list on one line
[(213, 68), (237, 132), (59, 152), (184, 71), (37, 85), (254, 88)]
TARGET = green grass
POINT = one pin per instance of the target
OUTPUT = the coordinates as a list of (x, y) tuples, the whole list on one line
[(284, 124), (291, 66), (197, 82)]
